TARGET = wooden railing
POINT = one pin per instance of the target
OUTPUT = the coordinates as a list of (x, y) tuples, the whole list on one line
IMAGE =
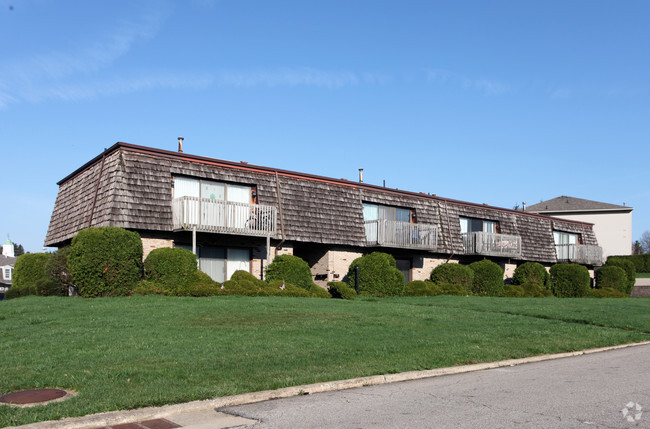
[(392, 233), (579, 253), (208, 215), (491, 244)]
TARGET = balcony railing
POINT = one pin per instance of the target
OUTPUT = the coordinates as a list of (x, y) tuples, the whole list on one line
[(579, 253), (392, 233), (208, 215), (491, 244)]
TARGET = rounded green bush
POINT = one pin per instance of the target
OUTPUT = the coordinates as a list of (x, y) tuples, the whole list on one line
[(105, 261), (341, 290), (570, 280), (513, 291), (170, 267), (319, 292), (57, 269), (488, 278), (453, 289), (378, 275), (28, 270), (146, 287), (282, 288), (628, 267), (291, 269), (421, 288), (531, 272), (612, 277), (608, 293), (534, 290), (453, 274)]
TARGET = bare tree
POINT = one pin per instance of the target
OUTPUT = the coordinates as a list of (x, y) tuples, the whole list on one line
[(636, 248), (645, 242)]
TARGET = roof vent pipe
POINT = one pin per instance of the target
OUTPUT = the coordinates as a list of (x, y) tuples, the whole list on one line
[(523, 206), (180, 144), (361, 175)]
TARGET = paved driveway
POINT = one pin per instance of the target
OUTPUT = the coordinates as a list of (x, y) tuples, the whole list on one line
[(589, 391)]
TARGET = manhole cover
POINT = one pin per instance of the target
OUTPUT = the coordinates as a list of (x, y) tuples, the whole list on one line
[(26, 398)]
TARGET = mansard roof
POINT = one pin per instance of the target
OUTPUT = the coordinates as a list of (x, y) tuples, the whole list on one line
[(130, 186), (572, 204)]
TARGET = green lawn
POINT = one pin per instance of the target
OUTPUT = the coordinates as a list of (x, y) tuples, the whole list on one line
[(643, 275), (121, 353)]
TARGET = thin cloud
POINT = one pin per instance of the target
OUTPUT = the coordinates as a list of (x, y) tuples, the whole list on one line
[(288, 77), (486, 86)]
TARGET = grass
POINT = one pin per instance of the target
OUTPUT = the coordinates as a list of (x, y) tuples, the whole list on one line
[(122, 353), (643, 275)]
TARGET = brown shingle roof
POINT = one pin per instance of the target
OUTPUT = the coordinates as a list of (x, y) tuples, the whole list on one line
[(572, 204)]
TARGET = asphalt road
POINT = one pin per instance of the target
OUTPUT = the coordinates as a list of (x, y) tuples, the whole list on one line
[(588, 391)]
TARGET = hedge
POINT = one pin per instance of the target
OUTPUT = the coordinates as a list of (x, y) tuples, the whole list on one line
[(341, 290), (57, 270), (105, 261), (570, 280), (290, 269), (612, 277), (488, 278), (453, 274), (28, 270), (628, 267), (170, 267), (378, 275), (421, 288), (641, 262), (531, 272)]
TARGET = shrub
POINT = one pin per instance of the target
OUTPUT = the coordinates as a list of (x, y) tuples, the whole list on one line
[(378, 275), (531, 272), (146, 287), (57, 270), (291, 269), (170, 267), (105, 261), (319, 292), (280, 288), (612, 277), (608, 293), (49, 287), (28, 270), (453, 289), (241, 275), (570, 280), (513, 291), (488, 278), (628, 267), (341, 290), (15, 292), (453, 274), (421, 288), (533, 290)]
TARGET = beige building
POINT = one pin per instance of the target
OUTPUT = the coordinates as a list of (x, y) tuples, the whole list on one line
[(612, 223)]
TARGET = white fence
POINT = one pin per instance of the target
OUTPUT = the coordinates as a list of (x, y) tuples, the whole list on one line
[(491, 244), (392, 233), (208, 215), (580, 253)]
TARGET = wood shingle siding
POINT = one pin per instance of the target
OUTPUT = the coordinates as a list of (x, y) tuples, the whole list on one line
[(136, 187)]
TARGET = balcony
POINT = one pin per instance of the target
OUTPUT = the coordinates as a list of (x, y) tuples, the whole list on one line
[(226, 217), (390, 233), (491, 244), (579, 253)]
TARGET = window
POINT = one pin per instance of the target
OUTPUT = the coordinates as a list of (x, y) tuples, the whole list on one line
[(220, 263), (468, 224), (374, 214), (7, 273), (565, 243), (213, 203)]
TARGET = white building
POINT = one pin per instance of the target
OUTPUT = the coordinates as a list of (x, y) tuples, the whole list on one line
[(7, 262), (612, 223)]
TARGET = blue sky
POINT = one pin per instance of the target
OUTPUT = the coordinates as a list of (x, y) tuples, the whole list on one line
[(493, 102)]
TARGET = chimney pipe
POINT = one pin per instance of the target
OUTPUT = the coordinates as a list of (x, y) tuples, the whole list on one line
[(180, 144), (361, 175), (523, 206)]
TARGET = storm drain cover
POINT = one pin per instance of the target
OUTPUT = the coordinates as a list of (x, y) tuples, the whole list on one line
[(26, 398)]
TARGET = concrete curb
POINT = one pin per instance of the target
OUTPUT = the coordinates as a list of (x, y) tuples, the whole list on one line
[(117, 417)]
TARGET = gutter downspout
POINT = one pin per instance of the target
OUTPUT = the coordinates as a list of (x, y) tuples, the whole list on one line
[(99, 178), (449, 233), (277, 190)]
